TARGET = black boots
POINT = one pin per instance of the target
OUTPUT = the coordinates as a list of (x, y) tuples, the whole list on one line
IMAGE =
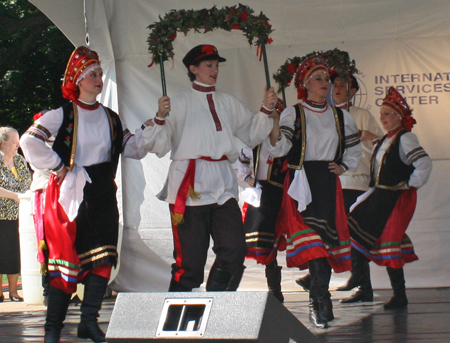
[(314, 316), (399, 300), (364, 291), (273, 276), (178, 287), (358, 268), (58, 302), (321, 307), (95, 287), (359, 294), (220, 279), (304, 282)]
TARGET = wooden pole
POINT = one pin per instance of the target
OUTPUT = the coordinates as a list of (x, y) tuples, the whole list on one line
[(266, 66), (283, 94), (163, 76)]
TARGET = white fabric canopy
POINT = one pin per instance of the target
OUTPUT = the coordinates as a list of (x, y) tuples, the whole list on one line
[(401, 43)]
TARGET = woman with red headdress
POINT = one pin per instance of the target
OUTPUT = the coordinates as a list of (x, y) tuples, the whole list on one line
[(380, 217), (81, 217), (320, 143)]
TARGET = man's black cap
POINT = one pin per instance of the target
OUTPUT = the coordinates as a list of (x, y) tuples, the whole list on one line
[(202, 53)]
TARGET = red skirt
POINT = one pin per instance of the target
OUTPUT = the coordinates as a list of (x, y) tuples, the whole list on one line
[(302, 243), (394, 248)]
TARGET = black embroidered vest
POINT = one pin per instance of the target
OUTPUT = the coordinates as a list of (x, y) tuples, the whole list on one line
[(296, 155), (65, 143), (392, 172)]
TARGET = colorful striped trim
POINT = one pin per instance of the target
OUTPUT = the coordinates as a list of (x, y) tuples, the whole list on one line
[(354, 226), (64, 263), (287, 132), (244, 159), (203, 89), (323, 224), (351, 140), (416, 154), (404, 252), (263, 109), (126, 137), (63, 276), (212, 108), (67, 271), (39, 132), (97, 254), (159, 121)]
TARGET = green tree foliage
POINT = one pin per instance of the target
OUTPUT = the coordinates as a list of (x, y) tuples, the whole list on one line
[(33, 57)]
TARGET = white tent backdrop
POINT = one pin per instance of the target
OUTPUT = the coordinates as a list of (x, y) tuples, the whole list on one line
[(403, 43)]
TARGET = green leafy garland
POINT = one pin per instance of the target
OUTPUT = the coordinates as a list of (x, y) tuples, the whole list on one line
[(239, 17), (337, 59)]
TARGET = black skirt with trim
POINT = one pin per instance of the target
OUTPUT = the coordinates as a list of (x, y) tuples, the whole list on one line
[(98, 219)]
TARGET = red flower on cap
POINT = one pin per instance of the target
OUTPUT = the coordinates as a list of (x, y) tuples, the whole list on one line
[(208, 50), (408, 122)]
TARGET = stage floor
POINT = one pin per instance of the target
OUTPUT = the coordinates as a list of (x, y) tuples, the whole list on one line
[(425, 320)]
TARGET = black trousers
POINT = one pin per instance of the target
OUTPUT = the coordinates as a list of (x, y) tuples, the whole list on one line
[(222, 223)]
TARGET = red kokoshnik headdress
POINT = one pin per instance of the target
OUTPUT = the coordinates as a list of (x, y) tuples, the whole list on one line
[(398, 104), (305, 70), (81, 59)]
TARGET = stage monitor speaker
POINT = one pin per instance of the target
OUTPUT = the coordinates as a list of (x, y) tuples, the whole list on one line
[(204, 316)]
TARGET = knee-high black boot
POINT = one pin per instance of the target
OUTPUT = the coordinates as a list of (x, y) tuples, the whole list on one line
[(397, 278), (220, 279), (364, 291), (304, 282), (94, 290), (357, 271), (320, 274), (273, 276), (58, 302), (314, 316)]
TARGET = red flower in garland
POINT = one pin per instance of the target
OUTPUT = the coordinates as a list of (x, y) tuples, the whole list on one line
[(408, 122), (291, 68), (173, 36), (243, 16), (236, 27)]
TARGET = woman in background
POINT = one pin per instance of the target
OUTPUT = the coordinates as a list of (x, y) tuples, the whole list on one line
[(15, 178)]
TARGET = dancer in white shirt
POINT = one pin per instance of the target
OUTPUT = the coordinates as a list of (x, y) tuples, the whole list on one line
[(320, 142), (379, 219), (201, 186), (81, 218)]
